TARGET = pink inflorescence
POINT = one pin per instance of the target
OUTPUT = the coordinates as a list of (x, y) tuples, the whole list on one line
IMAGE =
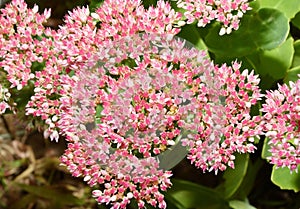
[(44, 60), (227, 12), (282, 120), (126, 110), (144, 91), (223, 124), (19, 45), (29, 58), (122, 90)]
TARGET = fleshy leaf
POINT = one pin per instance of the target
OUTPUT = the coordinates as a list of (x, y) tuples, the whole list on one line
[(265, 29), (234, 177), (249, 179), (296, 20), (296, 59), (238, 204), (190, 195), (288, 7), (170, 158), (191, 34), (94, 4), (277, 61), (266, 147), (286, 179), (292, 74)]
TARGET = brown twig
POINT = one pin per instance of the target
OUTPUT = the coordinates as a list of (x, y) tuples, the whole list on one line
[(6, 126)]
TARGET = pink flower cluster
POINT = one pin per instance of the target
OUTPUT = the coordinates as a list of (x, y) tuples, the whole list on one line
[(19, 45), (227, 12), (141, 102), (41, 58), (122, 90), (137, 97), (224, 126), (47, 63), (29, 58), (103, 156), (282, 120)]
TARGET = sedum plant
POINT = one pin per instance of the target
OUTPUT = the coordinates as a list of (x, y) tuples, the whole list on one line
[(135, 89)]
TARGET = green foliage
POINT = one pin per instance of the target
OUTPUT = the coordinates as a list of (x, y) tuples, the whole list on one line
[(191, 34), (185, 194), (296, 58), (292, 74), (248, 183), (266, 149), (238, 204), (265, 29), (274, 62), (148, 3), (171, 157), (234, 177), (286, 179), (98, 114), (289, 8), (296, 20), (94, 4)]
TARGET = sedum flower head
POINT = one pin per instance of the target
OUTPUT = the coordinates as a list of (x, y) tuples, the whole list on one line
[(28, 58), (19, 30), (227, 12), (224, 125), (141, 95), (122, 18), (43, 59), (282, 125), (123, 91), (124, 113)]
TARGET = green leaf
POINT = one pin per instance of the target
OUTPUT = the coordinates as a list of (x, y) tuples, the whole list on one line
[(238, 204), (265, 30), (249, 179), (148, 3), (292, 75), (296, 20), (234, 177), (191, 34), (270, 28), (94, 4), (98, 115), (296, 59), (190, 195), (171, 157), (172, 203), (277, 61), (265, 150), (283, 178), (288, 7), (237, 44)]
